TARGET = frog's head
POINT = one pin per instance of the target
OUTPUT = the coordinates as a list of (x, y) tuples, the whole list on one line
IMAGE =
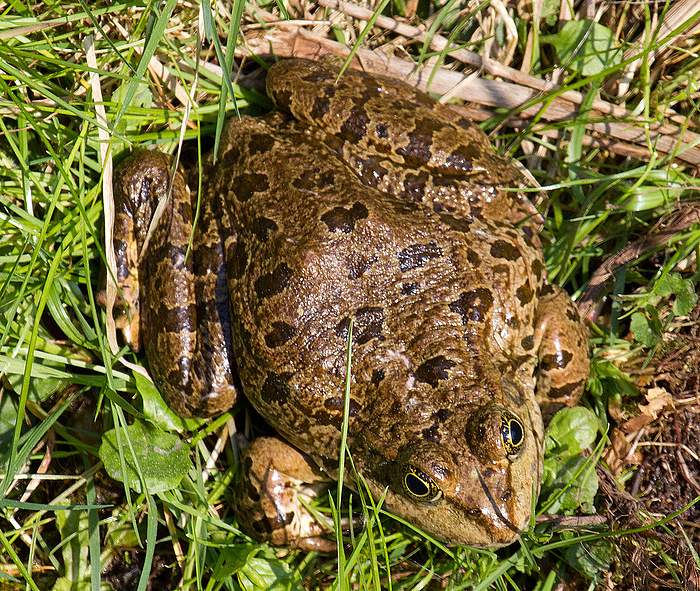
[(474, 482)]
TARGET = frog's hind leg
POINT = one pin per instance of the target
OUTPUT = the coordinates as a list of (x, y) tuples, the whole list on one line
[(562, 352), (274, 477), (177, 285)]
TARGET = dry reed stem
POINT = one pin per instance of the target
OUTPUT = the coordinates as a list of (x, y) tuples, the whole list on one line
[(612, 127)]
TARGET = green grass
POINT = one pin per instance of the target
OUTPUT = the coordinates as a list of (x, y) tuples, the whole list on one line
[(65, 525)]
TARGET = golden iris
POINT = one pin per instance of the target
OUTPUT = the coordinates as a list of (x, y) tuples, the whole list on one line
[(419, 486), (512, 433)]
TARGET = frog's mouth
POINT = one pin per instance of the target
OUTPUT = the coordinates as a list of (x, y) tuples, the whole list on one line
[(495, 507)]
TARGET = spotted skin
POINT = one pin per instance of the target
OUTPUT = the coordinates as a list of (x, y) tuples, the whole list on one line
[(363, 202)]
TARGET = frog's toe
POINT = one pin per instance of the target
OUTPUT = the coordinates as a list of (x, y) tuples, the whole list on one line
[(563, 351), (275, 484)]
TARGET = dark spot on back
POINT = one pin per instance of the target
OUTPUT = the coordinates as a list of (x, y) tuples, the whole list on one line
[(417, 153), (565, 390), (528, 342), (537, 268), (473, 258), (459, 161), (326, 180), (432, 433), (410, 288), (260, 142), (335, 410), (417, 254), (237, 259), (273, 283), (414, 186), (341, 329), (281, 333), (369, 169), (458, 224), (321, 417), (501, 249), (313, 179), (262, 226), (269, 524), (517, 361), (354, 127), (282, 98), (359, 264), (276, 388), (547, 289), (524, 293), (381, 130), (368, 324), (377, 376), (473, 305), (558, 360), (247, 184), (320, 107), (572, 313), (443, 414), (433, 370), (344, 219), (252, 491), (336, 405)]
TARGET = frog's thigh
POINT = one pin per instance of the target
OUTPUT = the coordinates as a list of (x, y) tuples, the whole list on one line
[(183, 309), (274, 477), (563, 350)]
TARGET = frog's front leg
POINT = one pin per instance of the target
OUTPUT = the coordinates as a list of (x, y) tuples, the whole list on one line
[(274, 477), (175, 291), (562, 351)]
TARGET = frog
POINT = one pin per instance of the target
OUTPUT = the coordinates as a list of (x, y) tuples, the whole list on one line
[(360, 220)]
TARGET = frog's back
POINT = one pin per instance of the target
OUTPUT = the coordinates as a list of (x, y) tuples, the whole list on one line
[(315, 248)]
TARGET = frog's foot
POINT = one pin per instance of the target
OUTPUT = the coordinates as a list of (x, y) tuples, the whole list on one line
[(563, 351), (139, 183), (275, 478)]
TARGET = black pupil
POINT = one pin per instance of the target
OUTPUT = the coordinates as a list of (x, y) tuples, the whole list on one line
[(516, 432), (416, 485)]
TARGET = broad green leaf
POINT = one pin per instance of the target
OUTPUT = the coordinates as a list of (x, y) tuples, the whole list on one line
[(234, 558), (74, 529), (682, 289), (162, 458), (575, 477), (569, 481), (585, 46), (669, 284), (592, 559), (155, 408), (686, 298), (571, 431), (267, 575), (643, 329)]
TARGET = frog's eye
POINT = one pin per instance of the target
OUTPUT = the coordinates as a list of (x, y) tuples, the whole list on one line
[(495, 434), (512, 433), (419, 486)]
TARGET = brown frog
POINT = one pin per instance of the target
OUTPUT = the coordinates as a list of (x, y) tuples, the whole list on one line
[(360, 200)]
